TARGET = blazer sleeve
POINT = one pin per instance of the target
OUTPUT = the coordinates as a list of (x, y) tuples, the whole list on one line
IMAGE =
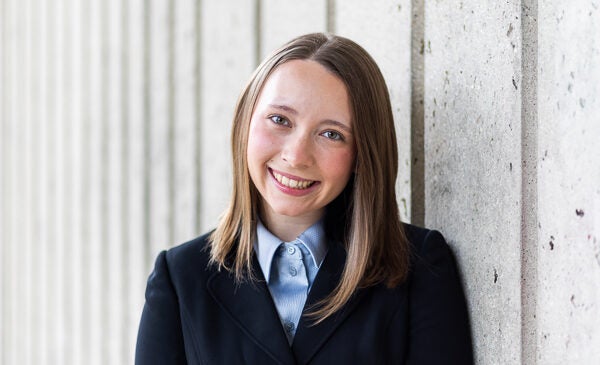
[(439, 323), (160, 338)]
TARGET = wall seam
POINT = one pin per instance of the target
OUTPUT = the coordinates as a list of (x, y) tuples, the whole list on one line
[(86, 176), (105, 176), (529, 181), (125, 177), (258, 30), (67, 133), (417, 113), (198, 119), (330, 25), (147, 127), (172, 58)]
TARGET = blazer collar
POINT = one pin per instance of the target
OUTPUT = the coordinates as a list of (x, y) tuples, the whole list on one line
[(250, 306), (310, 338)]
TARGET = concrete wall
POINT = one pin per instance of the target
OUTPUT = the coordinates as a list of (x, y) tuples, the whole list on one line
[(114, 134), (567, 294), (473, 57)]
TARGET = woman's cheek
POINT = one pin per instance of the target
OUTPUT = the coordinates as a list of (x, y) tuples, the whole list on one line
[(342, 162), (260, 140)]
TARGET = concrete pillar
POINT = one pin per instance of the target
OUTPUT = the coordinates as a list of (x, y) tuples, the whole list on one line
[(228, 55), (276, 28), (384, 30), (511, 171), (473, 160), (567, 294)]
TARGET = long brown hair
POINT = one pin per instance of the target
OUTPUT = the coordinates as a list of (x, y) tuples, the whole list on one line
[(365, 217)]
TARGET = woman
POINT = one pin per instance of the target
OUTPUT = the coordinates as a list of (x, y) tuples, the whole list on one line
[(310, 263)]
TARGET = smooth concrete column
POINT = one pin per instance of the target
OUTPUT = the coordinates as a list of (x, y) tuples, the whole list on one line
[(228, 49), (308, 16)]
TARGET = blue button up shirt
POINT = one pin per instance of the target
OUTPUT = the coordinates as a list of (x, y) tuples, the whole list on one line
[(290, 269)]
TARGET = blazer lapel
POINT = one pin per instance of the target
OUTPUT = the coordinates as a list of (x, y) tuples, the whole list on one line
[(309, 338), (250, 306)]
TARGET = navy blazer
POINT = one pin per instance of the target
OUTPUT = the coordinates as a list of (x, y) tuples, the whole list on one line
[(195, 314)]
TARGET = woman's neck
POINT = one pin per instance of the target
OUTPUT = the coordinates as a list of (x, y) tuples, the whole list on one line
[(288, 228)]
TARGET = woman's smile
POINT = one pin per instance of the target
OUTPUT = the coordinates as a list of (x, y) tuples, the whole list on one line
[(291, 184)]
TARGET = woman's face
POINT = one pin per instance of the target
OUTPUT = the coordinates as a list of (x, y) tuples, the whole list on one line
[(301, 148)]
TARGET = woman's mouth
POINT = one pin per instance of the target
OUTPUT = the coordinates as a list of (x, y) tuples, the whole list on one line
[(292, 183)]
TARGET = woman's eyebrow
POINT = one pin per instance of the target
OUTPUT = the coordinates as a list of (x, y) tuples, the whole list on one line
[(285, 108), (338, 124)]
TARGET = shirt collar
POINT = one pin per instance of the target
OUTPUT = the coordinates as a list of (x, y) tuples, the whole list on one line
[(266, 245)]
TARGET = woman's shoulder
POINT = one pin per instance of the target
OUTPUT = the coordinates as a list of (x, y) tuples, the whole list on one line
[(428, 247), (421, 238), (438, 318), (191, 254)]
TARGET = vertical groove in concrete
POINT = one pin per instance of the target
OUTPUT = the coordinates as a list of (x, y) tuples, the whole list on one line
[(125, 178), (529, 204), (258, 33), (330, 20), (198, 111), (34, 206), (171, 59), (86, 159), (417, 114), (66, 185), (51, 203), (105, 172), (147, 121)]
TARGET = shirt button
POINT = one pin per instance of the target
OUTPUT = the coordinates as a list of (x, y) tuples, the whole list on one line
[(291, 250), (289, 326), (293, 271)]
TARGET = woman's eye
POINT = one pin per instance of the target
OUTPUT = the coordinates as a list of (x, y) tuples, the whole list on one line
[(333, 135), (278, 119)]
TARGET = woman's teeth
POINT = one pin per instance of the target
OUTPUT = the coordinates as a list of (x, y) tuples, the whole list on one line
[(291, 183)]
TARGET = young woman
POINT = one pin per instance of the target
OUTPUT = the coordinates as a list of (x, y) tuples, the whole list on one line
[(310, 264)]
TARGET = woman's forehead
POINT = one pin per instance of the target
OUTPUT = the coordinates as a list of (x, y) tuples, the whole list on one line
[(304, 85)]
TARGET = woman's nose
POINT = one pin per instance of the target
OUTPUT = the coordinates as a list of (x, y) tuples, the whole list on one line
[(297, 151)]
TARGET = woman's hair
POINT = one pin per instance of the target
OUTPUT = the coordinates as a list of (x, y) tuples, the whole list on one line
[(364, 218)]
